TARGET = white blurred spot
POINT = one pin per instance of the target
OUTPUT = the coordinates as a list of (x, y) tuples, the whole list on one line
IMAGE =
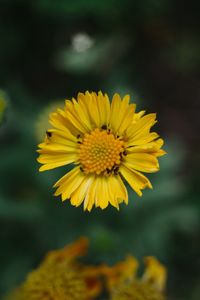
[(81, 42)]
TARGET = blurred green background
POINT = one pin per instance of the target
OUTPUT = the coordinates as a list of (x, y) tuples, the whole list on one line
[(50, 50)]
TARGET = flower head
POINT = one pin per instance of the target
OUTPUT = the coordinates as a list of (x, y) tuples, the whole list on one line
[(155, 273), (123, 283), (61, 277), (106, 143), (120, 273), (137, 291)]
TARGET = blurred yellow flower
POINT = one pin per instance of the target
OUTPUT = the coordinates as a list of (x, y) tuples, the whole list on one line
[(42, 121), (105, 142), (155, 273), (2, 105), (123, 283), (61, 277), (124, 271), (137, 290)]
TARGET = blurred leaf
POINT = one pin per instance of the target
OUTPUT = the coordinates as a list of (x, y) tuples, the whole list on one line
[(19, 211), (184, 53), (64, 8)]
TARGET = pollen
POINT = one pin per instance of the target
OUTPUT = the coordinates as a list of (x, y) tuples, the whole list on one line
[(101, 152)]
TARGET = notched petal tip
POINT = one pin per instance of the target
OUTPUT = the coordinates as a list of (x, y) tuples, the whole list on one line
[(100, 93), (117, 207), (56, 193), (103, 206), (87, 209), (42, 168), (38, 158), (64, 198), (150, 186), (161, 152)]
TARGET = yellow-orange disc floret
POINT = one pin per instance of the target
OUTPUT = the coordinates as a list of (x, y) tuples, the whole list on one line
[(100, 151)]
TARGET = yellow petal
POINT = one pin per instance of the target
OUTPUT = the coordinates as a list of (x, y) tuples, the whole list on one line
[(127, 119), (150, 147), (61, 137), (160, 153), (115, 111), (113, 191), (141, 127), (57, 121), (142, 140), (107, 109), (118, 191), (58, 148), (135, 179), (79, 195), (123, 191), (73, 118), (69, 183), (138, 115), (107, 190), (103, 106), (54, 160), (93, 108), (91, 194), (142, 162), (79, 110), (122, 113), (102, 196)]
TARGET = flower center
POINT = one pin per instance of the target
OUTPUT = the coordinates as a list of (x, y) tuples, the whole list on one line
[(100, 151)]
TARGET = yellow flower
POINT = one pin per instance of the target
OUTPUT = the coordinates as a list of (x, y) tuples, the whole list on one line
[(137, 291), (155, 273), (3, 105), (123, 284), (105, 142), (61, 277), (49, 283), (124, 271)]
